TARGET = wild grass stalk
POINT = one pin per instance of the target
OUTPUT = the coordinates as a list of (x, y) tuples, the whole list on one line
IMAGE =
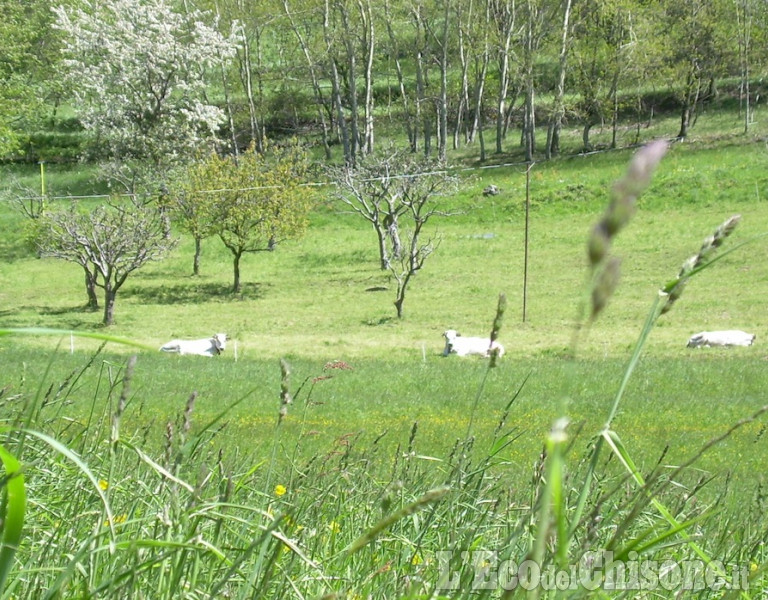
[(553, 515), (12, 509), (494, 357)]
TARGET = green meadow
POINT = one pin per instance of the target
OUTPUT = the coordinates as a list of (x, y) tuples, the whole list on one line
[(390, 453)]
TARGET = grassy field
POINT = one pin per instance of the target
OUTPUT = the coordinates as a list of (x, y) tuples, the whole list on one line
[(221, 498), (310, 298)]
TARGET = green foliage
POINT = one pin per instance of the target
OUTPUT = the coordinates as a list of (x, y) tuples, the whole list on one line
[(252, 201), (263, 203), (29, 49)]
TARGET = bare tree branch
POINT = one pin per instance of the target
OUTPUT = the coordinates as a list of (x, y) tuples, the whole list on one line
[(110, 243)]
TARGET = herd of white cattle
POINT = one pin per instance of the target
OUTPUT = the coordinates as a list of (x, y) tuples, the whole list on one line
[(460, 345)]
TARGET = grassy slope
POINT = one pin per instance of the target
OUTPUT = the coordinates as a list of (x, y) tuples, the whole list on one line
[(309, 298), (308, 301)]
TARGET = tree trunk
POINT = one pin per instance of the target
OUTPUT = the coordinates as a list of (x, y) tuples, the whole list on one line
[(354, 117), (615, 117), (381, 237), (236, 287), (480, 78), (530, 49), (402, 285), (555, 122), (480, 135), (685, 112), (685, 120), (319, 98), (228, 105), (341, 121), (508, 13), (744, 20), (442, 113), (90, 289), (422, 116), (366, 14), (463, 96), (109, 304), (336, 87), (585, 136), (196, 260), (420, 110), (399, 302), (529, 125), (394, 235), (247, 81), (411, 128)]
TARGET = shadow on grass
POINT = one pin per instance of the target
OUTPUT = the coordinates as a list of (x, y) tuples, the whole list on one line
[(11, 252), (73, 317), (380, 321), (65, 310), (192, 293)]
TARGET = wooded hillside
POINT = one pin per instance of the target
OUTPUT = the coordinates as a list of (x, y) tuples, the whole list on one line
[(438, 74)]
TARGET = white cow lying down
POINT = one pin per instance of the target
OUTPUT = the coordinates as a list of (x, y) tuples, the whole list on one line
[(731, 337), (212, 346), (463, 346)]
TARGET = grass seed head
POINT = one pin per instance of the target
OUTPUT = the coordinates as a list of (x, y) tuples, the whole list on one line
[(674, 289), (496, 329), (188, 412), (598, 244), (605, 285), (641, 168), (168, 449), (285, 393), (624, 200), (499, 318)]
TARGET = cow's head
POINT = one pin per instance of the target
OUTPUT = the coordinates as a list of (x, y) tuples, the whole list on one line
[(219, 342), (450, 336)]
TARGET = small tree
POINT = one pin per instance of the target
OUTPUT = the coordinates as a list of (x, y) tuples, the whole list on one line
[(190, 202), (371, 189), (377, 189), (396, 195), (253, 202), (418, 198), (110, 243)]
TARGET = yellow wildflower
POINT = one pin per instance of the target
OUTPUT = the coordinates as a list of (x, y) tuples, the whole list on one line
[(334, 527), (280, 490), (103, 484), (117, 520)]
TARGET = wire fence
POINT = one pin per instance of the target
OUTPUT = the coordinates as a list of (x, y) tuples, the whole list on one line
[(267, 187), (523, 164)]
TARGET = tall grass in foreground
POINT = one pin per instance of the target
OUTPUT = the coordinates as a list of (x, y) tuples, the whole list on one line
[(105, 518)]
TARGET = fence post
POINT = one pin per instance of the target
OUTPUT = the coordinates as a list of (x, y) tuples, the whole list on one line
[(527, 226)]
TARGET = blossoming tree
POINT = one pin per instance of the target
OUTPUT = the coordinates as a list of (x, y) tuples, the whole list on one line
[(137, 72)]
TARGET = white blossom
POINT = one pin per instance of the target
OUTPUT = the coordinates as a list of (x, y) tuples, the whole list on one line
[(137, 74)]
